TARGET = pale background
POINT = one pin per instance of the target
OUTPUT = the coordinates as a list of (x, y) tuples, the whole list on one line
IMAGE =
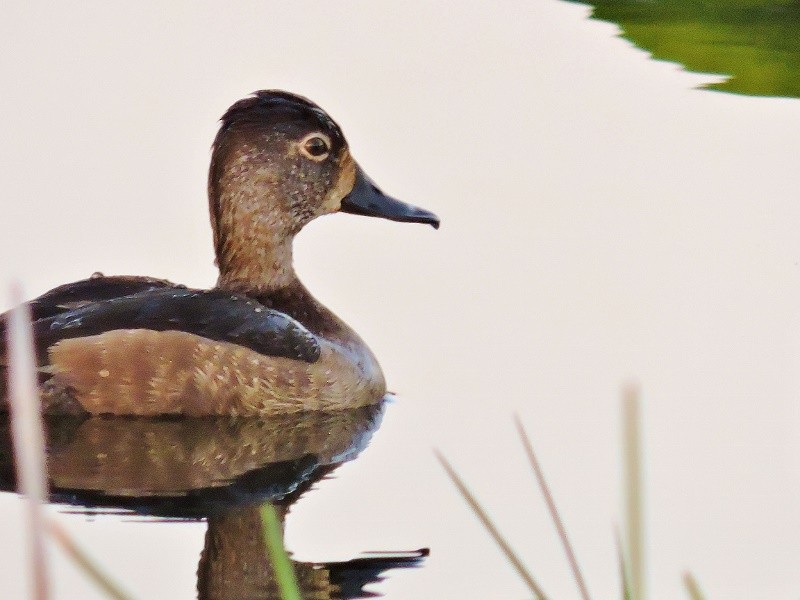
[(602, 222)]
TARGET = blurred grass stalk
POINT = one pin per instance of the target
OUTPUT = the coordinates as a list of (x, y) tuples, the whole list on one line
[(27, 431), (633, 549), (28, 435), (692, 587), (512, 557), (551, 507), (281, 565), (85, 562), (632, 556)]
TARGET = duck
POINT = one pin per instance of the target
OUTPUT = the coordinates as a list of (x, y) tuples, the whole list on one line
[(257, 343)]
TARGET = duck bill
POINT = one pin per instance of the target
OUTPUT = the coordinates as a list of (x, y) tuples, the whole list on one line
[(368, 200)]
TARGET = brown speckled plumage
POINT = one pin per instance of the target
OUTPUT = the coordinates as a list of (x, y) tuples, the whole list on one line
[(257, 344), (174, 372)]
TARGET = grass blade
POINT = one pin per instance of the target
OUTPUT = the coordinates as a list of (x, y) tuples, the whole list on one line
[(551, 506), (85, 562), (490, 527), (632, 463), (282, 566), (692, 587), (623, 571), (28, 434)]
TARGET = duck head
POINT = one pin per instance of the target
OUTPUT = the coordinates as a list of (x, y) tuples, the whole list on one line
[(278, 162)]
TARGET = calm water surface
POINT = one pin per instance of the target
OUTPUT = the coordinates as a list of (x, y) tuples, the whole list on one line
[(603, 221), (220, 470)]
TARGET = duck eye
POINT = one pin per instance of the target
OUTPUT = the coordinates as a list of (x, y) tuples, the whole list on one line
[(316, 147)]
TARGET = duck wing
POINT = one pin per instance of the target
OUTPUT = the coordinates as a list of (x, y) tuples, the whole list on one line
[(98, 287), (84, 309)]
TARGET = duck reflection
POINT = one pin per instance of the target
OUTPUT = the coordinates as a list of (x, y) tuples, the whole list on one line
[(221, 470), (234, 564)]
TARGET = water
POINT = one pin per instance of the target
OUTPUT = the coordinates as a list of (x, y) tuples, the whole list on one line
[(603, 220), (216, 469)]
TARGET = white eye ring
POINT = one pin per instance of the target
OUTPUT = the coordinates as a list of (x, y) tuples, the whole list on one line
[(315, 146)]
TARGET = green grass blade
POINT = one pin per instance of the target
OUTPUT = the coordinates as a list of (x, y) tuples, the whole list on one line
[(692, 587), (551, 507), (85, 562), (623, 571), (282, 566), (492, 529), (634, 521)]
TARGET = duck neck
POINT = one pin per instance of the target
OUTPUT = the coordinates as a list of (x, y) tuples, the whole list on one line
[(253, 239), (257, 263)]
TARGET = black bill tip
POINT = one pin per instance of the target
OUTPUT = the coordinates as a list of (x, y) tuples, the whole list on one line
[(367, 199)]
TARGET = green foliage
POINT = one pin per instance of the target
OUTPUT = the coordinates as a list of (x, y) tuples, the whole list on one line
[(282, 566), (756, 44)]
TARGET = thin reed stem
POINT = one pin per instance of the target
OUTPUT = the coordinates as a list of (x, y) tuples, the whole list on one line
[(28, 435), (692, 587), (85, 562), (623, 571), (492, 529), (632, 462), (551, 507)]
